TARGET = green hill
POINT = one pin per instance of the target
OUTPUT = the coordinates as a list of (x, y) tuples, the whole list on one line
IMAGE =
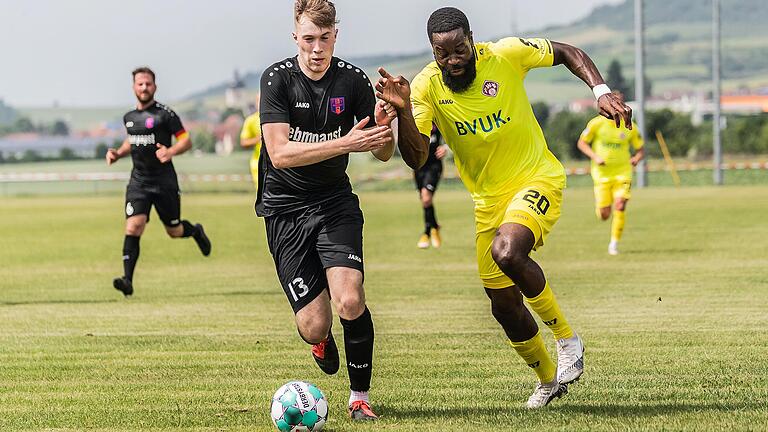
[(678, 47)]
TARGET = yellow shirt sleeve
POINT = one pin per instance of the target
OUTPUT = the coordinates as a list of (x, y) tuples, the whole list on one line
[(637, 139), (421, 104), (529, 53), (588, 135), (251, 127)]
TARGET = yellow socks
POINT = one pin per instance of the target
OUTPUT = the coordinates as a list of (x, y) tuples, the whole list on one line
[(535, 354), (617, 225), (546, 307)]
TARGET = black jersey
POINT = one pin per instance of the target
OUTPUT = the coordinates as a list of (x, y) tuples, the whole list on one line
[(316, 111), (156, 124)]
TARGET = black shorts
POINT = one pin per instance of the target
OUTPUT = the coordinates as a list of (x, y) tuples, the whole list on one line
[(428, 176), (166, 199), (306, 242)]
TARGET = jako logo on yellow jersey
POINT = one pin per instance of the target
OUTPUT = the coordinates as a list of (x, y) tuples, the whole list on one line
[(486, 124)]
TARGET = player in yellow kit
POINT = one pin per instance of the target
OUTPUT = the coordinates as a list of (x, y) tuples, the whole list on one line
[(250, 137), (474, 93), (609, 149)]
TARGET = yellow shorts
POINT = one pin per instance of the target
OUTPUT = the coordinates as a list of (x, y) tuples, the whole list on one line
[(536, 206), (255, 172), (609, 189)]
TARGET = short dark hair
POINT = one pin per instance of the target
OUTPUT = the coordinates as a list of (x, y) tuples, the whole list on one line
[(143, 69), (447, 19)]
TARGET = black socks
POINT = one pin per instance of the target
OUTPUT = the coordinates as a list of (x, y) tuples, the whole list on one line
[(358, 345), (429, 219), (189, 229), (130, 255)]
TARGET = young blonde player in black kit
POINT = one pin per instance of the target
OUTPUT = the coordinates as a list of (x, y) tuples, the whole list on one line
[(153, 179), (309, 106)]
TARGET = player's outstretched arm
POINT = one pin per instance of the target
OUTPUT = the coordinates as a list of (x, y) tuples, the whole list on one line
[(413, 145), (587, 150), (579, 63), (639, 155), (114, 154), (288, 154)]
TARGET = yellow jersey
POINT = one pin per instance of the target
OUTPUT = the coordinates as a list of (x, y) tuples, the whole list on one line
[(252, 129), (497, 144), (612, 145)]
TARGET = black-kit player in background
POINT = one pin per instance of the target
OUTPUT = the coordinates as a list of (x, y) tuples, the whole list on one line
[(314, 225), (427, 178), (151, 128)]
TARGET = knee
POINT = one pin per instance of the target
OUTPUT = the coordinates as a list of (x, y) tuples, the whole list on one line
[(510, 308), (507, 254), (134, 229), (620, 205), (350, 305), (605, 213), (314, 331), (426, 198), (174, 231)]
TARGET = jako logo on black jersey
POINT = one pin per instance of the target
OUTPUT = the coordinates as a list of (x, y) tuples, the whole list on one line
[(298, 135), (302, 105), (486, 124)]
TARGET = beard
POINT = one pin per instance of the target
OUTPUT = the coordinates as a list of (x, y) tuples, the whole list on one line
[(460, 83), (145, 97)]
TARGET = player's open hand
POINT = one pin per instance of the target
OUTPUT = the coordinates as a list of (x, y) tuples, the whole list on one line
[(441, 151), (112, 156), (384, 113), (394, 90), (163, 153), (611, 106), (364, 140)]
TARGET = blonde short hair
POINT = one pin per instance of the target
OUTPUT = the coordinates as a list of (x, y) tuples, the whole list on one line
[(321, 13)]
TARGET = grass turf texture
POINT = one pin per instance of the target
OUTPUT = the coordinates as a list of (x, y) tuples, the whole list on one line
[(675, 327)]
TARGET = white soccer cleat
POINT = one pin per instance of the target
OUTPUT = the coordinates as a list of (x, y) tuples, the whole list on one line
[(613, 247), (570, 359), (545, 393)]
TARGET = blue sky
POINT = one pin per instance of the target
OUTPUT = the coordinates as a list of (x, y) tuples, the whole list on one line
[(81, 52)]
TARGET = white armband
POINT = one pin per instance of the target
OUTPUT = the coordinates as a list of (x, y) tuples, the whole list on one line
[(600, 89)]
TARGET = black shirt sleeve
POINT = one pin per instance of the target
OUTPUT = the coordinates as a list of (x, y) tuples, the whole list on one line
[(365, 100), (174, 123), (274, 97)]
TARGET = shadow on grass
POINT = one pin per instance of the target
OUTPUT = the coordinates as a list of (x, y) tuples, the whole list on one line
[(55, 302), (565, 408), (224, 294)]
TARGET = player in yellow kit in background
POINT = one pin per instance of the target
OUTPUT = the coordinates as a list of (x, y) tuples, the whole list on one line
[(474, 93), (609, 149), (250, 137)]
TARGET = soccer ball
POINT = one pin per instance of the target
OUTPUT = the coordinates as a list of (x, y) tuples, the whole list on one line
[(299, 406)]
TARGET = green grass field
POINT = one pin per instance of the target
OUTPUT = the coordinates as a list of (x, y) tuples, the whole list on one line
[(676, 328)]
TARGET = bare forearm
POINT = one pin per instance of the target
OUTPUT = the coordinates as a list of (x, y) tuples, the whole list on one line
[(414, 148), (578, 62), (124, 149), (181, 146), (385, 153), (586, 149), (250, 142), (295, 154)]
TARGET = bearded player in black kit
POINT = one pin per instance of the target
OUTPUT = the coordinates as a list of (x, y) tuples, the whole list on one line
[(309, 105), (153, 180)]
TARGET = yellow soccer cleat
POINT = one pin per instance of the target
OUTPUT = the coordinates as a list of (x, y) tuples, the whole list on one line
[(423, 242), (434, 237)]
